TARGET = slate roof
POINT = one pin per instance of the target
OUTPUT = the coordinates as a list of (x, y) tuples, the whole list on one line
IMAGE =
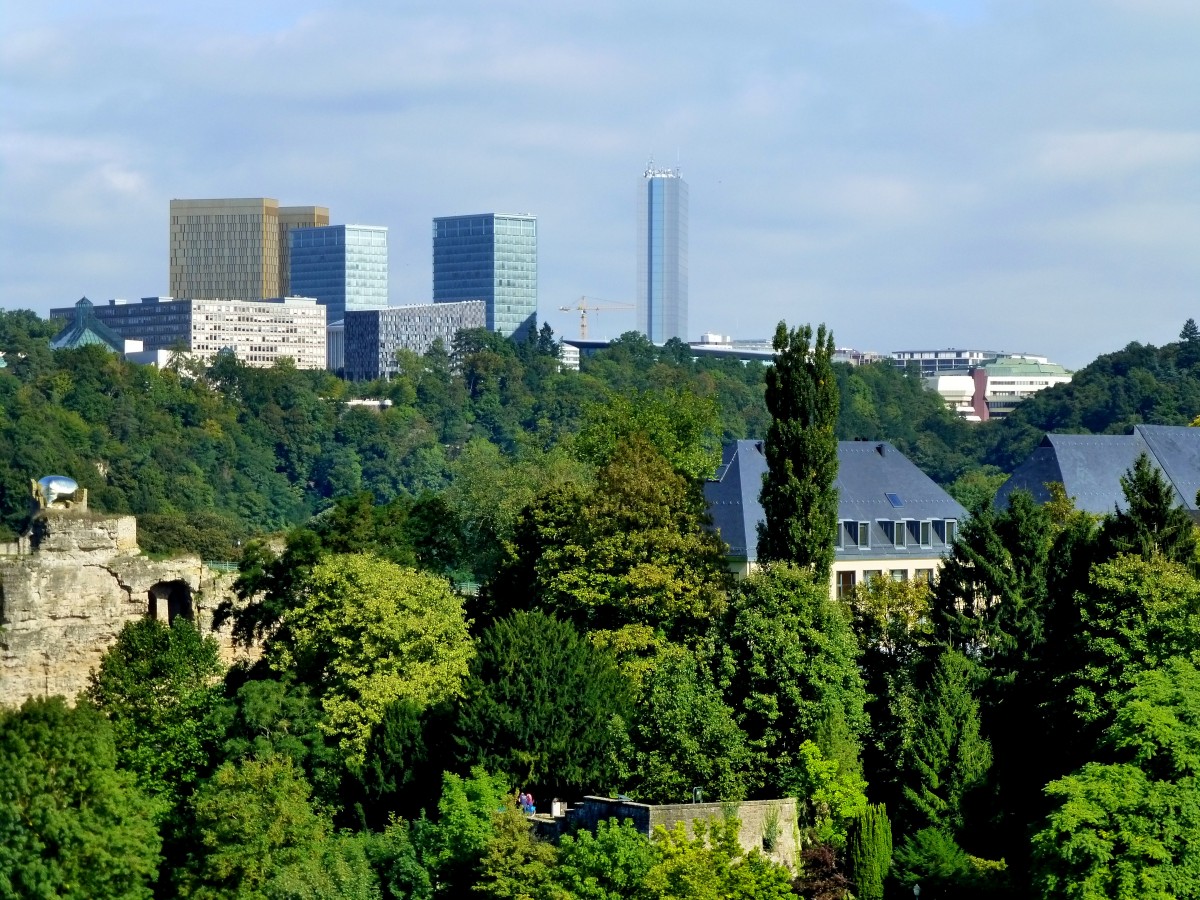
[(85, 329), (867, 472), (1090, 466)]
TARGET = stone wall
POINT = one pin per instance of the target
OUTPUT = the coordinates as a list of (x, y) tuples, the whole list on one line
[(768, 825), (75, 580)]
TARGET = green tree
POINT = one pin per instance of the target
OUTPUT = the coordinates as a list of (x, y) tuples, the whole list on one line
[(253, 822), (539, 703), (72, 824), (945, 757), (516, 864), (869, 852), (799, 498), (788, 659), (611, 864), (1189, 345), (1153, 522), (711, 865), (368, 633), (453, 848), (156, 686)]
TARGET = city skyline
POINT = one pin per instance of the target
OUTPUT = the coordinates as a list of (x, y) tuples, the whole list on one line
[(914, 173)]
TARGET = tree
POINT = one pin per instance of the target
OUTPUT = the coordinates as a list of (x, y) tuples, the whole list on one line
[(1153, 523), (869, 852), (453, 848), (538, 705), (516, 864), (253, 822), (711, 865), (1189, 345), (788, 660), (799, 498), (156, 686), (945, 756), (367, 633), (72, 824), (611, 864)]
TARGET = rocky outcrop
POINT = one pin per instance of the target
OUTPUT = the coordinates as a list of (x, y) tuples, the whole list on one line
[(68, 587)]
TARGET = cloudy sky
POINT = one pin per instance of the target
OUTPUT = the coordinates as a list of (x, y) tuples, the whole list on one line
[(1021, 175)]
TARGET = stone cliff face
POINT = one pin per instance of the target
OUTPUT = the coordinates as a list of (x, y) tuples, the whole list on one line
[(68, 587)]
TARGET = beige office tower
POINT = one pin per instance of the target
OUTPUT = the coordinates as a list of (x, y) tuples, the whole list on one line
[(234, 249)]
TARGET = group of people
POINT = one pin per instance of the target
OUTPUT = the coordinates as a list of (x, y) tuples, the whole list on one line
[(525, 801)]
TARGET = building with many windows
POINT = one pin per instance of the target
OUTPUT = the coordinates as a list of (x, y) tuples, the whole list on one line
[(894, 521), (488, 257), (344, 266), (937, 362), (234, 248), (258, 332), (662, 260), (371, 338)]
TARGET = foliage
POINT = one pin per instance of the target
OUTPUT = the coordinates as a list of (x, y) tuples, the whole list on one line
[(684, 735), (516, 864), (830, 799), (368, 633), (820, 877), (946, 757), (1153, 524), (634, 551), (453, 849), (538, 703), (156, 686), (72, 824), (869, 851), (931, 858), (787, 658), (253, 823), (799, 498), (711, 865), (612, 864)]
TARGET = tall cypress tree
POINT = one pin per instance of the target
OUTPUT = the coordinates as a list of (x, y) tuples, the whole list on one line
[(869, 851), (798, 493)]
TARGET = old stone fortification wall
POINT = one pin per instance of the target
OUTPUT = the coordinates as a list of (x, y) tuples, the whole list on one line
[(769, 825), (68, 587)]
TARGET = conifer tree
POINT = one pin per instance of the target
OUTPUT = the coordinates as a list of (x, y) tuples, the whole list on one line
[(798, 494), (869, 852), (1152, 522)]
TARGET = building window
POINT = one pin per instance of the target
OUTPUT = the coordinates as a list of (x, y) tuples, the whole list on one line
[(871, 575), (899, 574), (927, 533), (901, 534), (864, 535), (951, 531), (845, 584), (925, 575)]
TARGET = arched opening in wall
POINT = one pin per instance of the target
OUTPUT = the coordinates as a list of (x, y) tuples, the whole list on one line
[(170, 599)]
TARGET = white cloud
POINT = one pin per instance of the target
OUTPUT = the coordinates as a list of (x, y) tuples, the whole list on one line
[(1105, 154)]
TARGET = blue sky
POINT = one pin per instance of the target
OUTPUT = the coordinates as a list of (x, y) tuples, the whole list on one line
[(1021, 175)]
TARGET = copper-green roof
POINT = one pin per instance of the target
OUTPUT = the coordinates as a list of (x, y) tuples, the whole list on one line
[(86, 329)]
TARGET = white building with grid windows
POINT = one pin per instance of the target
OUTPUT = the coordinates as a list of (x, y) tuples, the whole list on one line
[(371, 338)]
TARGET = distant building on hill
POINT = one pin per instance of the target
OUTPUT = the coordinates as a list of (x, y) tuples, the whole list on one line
[(258, 332), (662, 261), (344, 266), (1090, 466), (894, 521), (371, 338), (84, 328)]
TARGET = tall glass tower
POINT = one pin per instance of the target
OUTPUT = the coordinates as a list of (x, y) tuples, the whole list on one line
[(662, 270), (489, 257), (344, 266)]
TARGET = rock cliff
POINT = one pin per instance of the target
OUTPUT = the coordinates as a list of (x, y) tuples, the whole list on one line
[(71, 583)]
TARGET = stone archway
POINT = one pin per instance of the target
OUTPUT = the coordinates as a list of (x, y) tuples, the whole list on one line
[(170, 599)]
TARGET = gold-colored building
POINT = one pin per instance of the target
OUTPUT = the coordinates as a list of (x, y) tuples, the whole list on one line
[(234, 248)]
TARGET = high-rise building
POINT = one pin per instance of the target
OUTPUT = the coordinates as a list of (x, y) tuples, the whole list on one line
[(492, 258), (234, 248), (371, 338), (258, 332), (344, 266), (662, 266)]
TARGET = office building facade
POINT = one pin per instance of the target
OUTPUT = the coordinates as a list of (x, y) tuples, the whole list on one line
[(489, 257), (662, 263), (234, 248), (371, 338), (344, 266), (259, 332)]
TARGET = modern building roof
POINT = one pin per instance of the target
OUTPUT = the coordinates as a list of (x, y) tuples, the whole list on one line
[(876, 483), (1090, 466), (85, 329), (1023, 367)]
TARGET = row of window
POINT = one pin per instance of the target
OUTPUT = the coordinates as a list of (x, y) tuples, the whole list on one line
[(845, 581), (899, 533)]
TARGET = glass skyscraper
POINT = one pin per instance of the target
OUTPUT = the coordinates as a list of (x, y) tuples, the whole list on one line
[(488, 257), (662, 268), (344, 266)]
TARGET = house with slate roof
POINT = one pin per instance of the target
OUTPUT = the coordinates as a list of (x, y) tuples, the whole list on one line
[(1090, 466), (894, 521)]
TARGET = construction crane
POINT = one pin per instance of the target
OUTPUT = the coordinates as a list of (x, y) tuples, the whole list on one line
[(588, 304)]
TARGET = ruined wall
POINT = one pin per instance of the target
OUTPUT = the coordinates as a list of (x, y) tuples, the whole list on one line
[(68, 587)]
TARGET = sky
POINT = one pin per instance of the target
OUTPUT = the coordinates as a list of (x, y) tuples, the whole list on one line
[(1015, 175)]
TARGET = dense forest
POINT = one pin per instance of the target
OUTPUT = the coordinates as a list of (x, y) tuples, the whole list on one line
[(1027, 726)]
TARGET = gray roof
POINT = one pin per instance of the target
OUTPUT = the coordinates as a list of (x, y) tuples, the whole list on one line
[(867, 472), (1090, 466)]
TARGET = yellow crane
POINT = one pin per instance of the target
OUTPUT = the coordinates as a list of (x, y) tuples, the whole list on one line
[(589, 304)]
